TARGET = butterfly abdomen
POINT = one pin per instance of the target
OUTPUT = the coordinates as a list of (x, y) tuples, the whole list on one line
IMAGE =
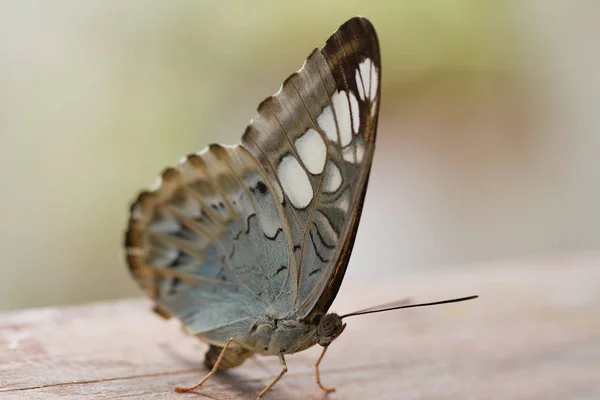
[(234, 356)]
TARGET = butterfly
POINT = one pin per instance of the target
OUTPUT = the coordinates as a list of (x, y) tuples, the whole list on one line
[(247, 245)]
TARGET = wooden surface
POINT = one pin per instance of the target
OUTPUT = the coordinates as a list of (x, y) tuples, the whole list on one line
[(533, 334)]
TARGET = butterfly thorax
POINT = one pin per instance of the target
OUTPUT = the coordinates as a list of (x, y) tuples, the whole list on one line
[(276, 336), (290, 335)]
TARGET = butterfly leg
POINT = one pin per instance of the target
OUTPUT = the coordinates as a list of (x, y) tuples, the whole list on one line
[(277, 378), (213, 370), (325, 388)]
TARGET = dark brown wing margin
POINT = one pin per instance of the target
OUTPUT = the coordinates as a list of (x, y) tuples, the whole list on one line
[(353, 42)]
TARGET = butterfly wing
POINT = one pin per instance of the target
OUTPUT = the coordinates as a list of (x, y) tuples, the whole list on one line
[(315, 138), (232, 233), (207, 243)]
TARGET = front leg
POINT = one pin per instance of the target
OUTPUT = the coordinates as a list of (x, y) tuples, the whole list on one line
[(325, 388), (277, 378)]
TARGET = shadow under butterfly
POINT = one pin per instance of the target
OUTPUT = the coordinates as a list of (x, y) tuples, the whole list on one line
[(247, 245)]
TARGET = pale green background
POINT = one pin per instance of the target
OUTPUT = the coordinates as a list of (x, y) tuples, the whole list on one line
[(489, 129)]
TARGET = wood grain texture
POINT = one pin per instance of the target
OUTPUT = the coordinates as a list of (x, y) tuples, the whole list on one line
[(533, 334)]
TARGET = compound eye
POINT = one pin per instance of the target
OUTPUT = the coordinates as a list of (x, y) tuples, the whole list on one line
[(329, 325)]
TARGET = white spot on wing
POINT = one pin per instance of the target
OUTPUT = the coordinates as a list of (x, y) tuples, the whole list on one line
[(374, 81), (325, 228), (269, 224), (359, 84), (295, 182), (355, 112), (333, 178), (343, 203), (365, 73), (373, 109), (327, 123), (312, 150), (342, 113), (349, 154), (360, 150), (263, 204)]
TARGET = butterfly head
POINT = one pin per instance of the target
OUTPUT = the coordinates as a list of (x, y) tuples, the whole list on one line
[(330, 327)]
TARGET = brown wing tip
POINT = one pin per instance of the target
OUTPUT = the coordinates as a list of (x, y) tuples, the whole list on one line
[(357, 28), (360, 19), (356, 24)]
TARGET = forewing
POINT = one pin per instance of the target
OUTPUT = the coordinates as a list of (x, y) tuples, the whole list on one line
[(208, 245), (315, 140)]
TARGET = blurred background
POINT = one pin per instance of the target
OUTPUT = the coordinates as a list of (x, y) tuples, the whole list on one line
[(488, 149)]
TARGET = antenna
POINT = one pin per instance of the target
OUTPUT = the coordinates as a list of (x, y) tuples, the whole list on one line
[(435, 303)]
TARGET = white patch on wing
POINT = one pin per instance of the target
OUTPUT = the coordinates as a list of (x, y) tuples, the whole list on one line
[(373, 109), (325, 228), (355, 112), (343, 203), (354, 156), (312, 150), (348, 154), (342, 113), (359, 84), (360, 150), (269, 224), (263, 205), (295, 182), (365, 73), (374, 81), (327, 123), (333, 178)]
